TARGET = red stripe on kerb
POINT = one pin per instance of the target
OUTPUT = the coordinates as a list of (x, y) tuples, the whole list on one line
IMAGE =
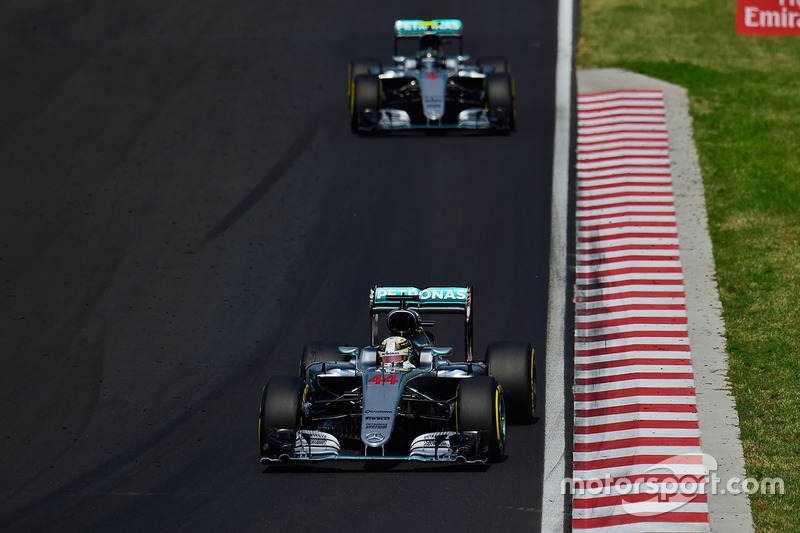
[(585, 311), (583, 168), (618, 363), (634, 442), (626, 158), (627, 283), (623, 143), (636, 424), (628, 235), (632, 320), (633, 391), (629, 185), (625, 519), (635, 408), (622, 194), (625, 176), (621, 214), (630, 270), (607, 501), (634, 376), (605, 337), (626, 135), (628, 224), (617, 94), (595, 125), (648, 477), (629, 294), (652, 348), (631, 460), (624, 258), (615, 105), (631, 204)]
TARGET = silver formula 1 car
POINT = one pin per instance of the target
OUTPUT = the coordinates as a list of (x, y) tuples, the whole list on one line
[(403, 398), (431, 89)]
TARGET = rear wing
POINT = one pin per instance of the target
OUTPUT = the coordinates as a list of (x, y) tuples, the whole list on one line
[(418, 28), (430, 300), (447, 29)]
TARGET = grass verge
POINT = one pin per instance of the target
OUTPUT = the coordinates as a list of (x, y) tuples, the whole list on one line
[(745, 102)]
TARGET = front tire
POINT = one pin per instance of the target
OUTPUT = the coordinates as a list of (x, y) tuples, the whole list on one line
[(480, 407), (500, 101), (281, 404), (365, 102)]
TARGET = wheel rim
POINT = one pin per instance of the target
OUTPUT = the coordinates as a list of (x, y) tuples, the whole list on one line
[(500, 410), (533, 382)]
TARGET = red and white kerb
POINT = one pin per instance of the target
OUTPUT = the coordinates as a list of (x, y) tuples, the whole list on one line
[(637, 461)]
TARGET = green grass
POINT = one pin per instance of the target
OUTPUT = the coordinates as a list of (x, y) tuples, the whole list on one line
[(745, 102)]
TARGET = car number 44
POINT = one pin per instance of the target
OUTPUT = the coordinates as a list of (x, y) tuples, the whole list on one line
[(377, 379)]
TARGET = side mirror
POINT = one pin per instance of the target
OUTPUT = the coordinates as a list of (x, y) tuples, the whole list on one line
[(444, 351), (351, 351)]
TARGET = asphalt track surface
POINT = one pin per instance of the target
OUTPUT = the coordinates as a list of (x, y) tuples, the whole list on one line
[(184, 206)]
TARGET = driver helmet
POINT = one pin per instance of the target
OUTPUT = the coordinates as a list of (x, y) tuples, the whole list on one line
[(395, 350), (429, 49)]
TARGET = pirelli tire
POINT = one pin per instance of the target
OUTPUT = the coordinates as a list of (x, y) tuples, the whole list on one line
[(314, 352), (365, 102), (281, 408), (358, 66), (513, 364), (480, 406), (500, 101)]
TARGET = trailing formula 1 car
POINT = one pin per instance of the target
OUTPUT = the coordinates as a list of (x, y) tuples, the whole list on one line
[(431, 90), (402, 398)]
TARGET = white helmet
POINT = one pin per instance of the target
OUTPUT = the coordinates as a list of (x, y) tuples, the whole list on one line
[(395, 350)]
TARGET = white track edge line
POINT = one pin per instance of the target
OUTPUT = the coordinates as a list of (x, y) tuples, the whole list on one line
[(555, 437)]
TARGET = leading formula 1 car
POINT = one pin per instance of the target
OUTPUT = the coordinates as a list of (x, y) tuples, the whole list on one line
[(430, 89), (403, 398)]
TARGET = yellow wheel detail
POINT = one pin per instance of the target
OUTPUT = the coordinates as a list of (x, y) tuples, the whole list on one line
[(513, 103), (533, 380), (500, 417), (302, 403), (480, 407), (352, 97)]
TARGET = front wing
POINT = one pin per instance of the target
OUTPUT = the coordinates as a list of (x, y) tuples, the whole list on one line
[(388, 119), (398, 119), (469, 447)]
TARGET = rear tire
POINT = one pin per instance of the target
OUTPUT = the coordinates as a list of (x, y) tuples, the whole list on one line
[(500, 101), (365, 100), (281, 403), (480, 407), (514, 366), (314, 352), (494, 64)]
